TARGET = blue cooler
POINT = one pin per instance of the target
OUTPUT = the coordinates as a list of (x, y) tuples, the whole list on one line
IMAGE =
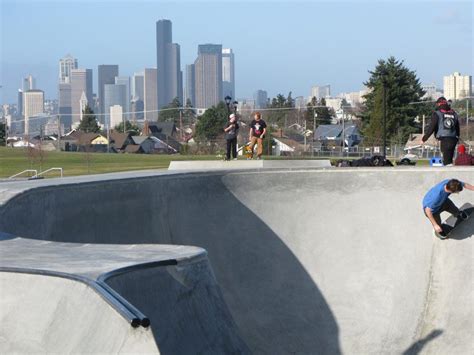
[(436, 161)]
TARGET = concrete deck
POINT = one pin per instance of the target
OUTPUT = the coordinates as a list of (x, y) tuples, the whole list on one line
[(309, 261), (207, 165)]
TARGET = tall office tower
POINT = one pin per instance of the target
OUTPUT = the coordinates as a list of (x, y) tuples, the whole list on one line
[(150, 102), (66, 64), (83, 103), (457, 86), (113, 95), (137, 86), (65, 107), (20, 103), (260, 97), (168, 65), (208, 75), (29, 83), (81, 82), (125, 80), (321, 91), (106, 75), (33, 104), (228, 76), (190, 84)]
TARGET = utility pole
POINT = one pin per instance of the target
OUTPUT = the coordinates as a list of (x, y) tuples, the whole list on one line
[(59, 133), (384, 120)]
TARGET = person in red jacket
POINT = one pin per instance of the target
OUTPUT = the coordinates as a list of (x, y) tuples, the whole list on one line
[(445, 125), (463, 158)]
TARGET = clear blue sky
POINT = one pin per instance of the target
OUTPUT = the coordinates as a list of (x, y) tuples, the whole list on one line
[(279, 46)]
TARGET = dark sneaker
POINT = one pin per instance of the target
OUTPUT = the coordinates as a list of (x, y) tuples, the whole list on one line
[(439, 235), (462, 215)]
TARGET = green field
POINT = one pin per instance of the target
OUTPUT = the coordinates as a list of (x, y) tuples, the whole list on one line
[(14, 160)]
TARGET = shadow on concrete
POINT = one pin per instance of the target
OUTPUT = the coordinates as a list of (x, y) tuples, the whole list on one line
[(418, 346), (275, 303), (463, 229)]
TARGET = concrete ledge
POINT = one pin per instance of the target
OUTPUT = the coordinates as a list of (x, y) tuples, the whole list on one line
[(247, 164)]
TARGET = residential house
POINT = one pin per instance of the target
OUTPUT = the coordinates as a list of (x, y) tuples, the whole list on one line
[(331, 135), (119, 141), (165, 132), (149, 145)]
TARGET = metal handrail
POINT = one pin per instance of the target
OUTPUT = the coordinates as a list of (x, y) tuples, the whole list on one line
[(25, 171), (51, 169)]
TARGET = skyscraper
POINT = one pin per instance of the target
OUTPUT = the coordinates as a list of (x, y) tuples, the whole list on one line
[(66, 64), (113, 95), (168, 63), (137, 86), (125, 80), (65, 107), (228, 77), (81, 82), (29, 83), (150, 91), (457, 86), (260, 97), (33, 104), (20, 103), (190, 84), (321, 91), (208, 75), (106, 75)]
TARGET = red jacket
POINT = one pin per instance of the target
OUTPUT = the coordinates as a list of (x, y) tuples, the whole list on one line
[(464, 159)]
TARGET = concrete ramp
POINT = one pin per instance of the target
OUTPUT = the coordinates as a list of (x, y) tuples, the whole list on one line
[(309, 261), (91, 298), (206, 165)]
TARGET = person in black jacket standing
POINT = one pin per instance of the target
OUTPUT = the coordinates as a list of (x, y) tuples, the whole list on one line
[(231, 130), (445, 125)]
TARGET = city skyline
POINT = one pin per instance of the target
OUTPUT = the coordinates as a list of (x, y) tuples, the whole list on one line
[(299, 65)]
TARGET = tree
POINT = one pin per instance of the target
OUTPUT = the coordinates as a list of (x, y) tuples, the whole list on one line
[(170, 113), (3, 135), (88, 123), (211, 124), (402, 89), (129, 127)]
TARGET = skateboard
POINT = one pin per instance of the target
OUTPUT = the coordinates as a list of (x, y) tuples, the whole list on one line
[(452, 223)]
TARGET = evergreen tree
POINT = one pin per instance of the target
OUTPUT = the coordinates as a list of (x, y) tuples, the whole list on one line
[(129, 127), (88, 123), (3, 135), (211, 124), (402, 89)]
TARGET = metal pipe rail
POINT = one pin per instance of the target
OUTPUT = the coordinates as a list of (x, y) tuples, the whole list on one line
[(50, 169), (25, 171)]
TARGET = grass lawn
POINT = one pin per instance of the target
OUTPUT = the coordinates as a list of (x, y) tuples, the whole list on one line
[(14, 160)]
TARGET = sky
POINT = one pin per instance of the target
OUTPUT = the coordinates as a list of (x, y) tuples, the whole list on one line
[(279, 46)]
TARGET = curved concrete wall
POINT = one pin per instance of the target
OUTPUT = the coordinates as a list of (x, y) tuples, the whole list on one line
[(308, 261)]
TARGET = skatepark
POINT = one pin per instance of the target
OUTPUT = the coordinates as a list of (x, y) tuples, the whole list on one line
[(264, 261)]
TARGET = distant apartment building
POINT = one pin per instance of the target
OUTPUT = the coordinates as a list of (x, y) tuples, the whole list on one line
[(116, 115), (457, 86), (320, 92), (66, 64), (190, 85), (106, 75), (81, 82), (33, 104), (168, 64), (431, 92), (150, 101), (228, 73), (208, 75)]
